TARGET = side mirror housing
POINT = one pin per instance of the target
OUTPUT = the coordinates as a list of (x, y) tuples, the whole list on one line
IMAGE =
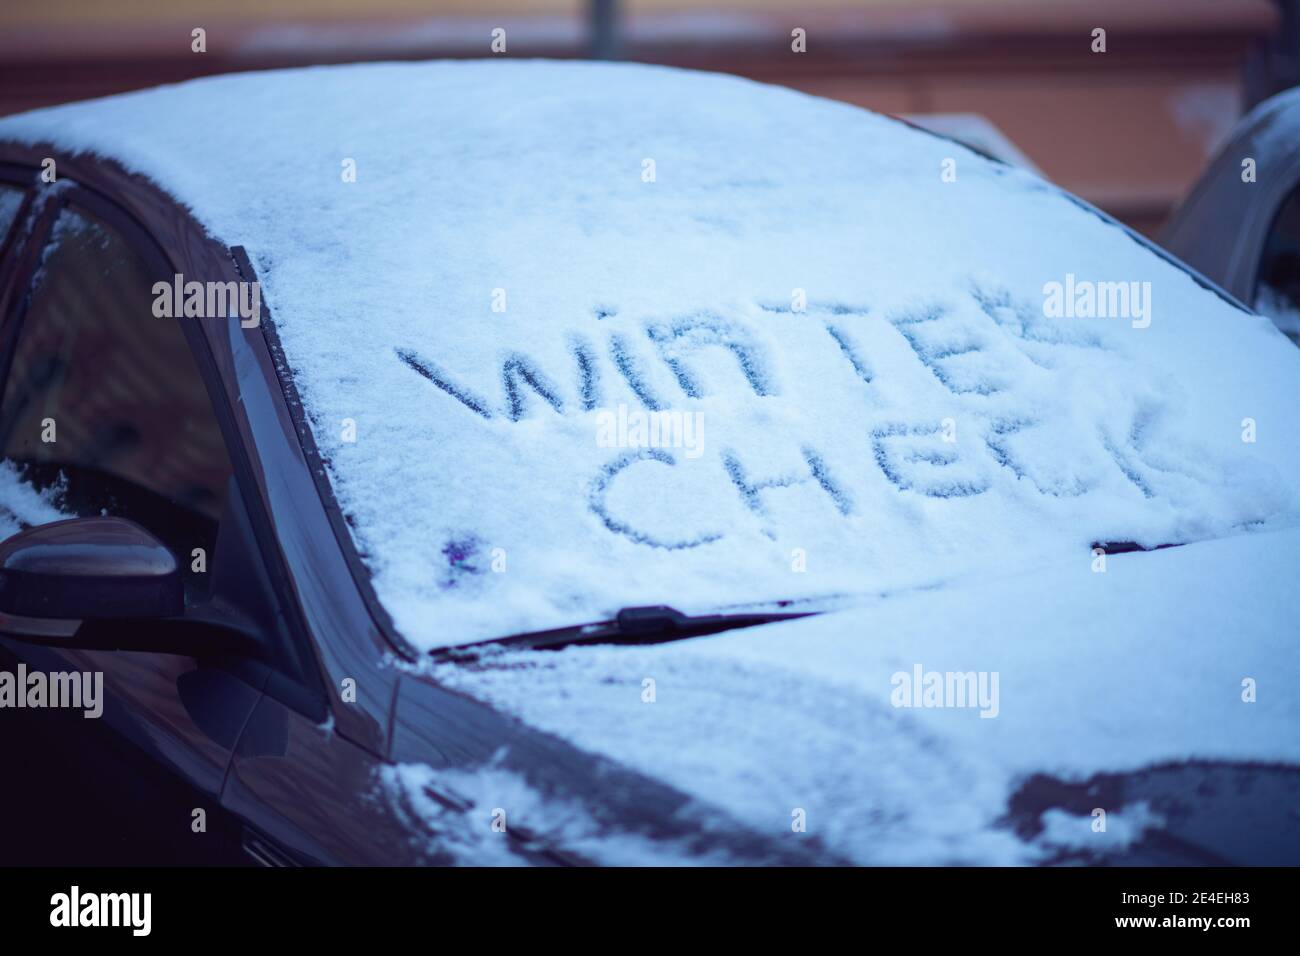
[(89, 569)]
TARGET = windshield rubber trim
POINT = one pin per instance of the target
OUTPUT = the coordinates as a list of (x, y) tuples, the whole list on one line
[(316, 465)]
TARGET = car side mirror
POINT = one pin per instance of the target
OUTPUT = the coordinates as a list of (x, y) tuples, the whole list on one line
[(88, 569)]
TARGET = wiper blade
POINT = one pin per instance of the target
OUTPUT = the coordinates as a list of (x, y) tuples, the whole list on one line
[(1127, 547), (655, 624)]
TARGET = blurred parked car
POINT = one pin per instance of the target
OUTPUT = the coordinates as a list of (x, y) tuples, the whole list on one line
[(1240, 224)]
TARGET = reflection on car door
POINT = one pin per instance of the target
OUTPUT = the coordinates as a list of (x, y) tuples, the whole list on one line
[(104, 408)]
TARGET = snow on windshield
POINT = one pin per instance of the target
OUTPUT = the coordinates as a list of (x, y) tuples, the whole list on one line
[(578, 336)]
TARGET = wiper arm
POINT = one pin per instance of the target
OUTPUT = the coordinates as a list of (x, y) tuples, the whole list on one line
[(655, 624)]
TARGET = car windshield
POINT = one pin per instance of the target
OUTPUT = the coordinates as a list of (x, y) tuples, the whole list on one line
[(589, 347)]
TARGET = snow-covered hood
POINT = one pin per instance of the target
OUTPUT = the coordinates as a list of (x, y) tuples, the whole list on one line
[(1178, 655), (900, 364)]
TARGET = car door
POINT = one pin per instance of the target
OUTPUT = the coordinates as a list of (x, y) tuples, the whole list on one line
[(104, 410)]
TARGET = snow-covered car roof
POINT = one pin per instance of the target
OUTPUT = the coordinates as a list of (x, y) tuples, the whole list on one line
[(872, 346)]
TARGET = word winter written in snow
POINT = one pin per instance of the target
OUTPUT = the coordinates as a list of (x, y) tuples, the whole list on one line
[(74, 908), (659, 429), (208, 300), (1084, 299), (60, 689), (922, 688)]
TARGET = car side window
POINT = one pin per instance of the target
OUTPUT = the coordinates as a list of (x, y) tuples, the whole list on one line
[(104, 408), (11, 199), (1277, 284)]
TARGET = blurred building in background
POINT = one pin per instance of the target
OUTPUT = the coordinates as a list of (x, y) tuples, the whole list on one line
[(1128, 129)]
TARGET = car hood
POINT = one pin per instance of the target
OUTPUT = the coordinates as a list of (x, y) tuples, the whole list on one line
[(811, 730)]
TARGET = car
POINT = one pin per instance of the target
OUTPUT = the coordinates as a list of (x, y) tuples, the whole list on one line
[(1238, 224), (497, 462)]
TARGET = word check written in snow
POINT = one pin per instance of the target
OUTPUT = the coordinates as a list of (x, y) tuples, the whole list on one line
[(920, 457)]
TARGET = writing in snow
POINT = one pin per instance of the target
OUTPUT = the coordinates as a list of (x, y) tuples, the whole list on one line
[(657, 429)]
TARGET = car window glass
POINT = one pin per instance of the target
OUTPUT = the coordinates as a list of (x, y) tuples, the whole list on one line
[(104, 409), (11, 198), (1277, 287)]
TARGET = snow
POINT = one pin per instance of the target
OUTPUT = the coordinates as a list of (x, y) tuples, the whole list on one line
[(977, 132), (1108, 672), (22, 506), (473, 818), (1066, 831), (476, 490)]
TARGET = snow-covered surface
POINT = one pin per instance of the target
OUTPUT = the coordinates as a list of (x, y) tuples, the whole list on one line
[(469, 821), (1069, 831), (22, 506), (977, 132), (478, 493), (1097, 673)]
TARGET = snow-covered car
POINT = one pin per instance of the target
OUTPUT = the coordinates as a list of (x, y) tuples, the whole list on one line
[(520, 461), (1240, 224)]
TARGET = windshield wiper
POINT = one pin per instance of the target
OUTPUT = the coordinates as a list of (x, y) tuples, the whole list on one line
[(655, 624)]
